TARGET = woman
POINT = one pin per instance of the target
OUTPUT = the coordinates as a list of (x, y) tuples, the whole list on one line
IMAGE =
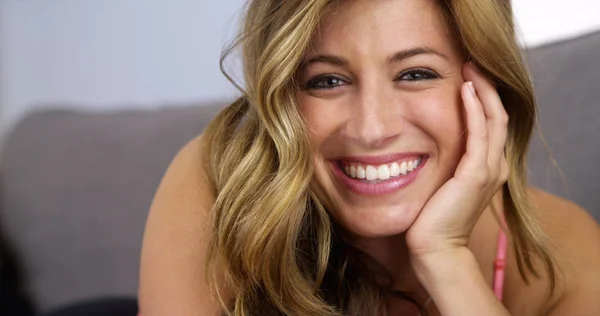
[(375, 165)]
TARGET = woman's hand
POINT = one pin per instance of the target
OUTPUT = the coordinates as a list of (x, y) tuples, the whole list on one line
[(446, 221)]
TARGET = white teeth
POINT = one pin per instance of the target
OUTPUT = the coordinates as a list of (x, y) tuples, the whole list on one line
[(352, 171), (383, 172), (371, 173), (360, 172), (395, 170), (403, 168)]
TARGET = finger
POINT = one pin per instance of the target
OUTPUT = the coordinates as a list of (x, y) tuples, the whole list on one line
[(496, 116), (475, 159)]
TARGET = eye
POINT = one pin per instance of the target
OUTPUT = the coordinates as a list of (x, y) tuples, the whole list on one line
[(324, 82), (418, 75)]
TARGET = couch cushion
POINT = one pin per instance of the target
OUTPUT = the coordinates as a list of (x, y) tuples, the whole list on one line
[(76, 191), (567, 82)]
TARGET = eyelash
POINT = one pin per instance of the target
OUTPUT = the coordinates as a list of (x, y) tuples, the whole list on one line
[(424, 74)]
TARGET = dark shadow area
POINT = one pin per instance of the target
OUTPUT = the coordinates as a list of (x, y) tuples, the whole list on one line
[(100, 307), (14, 300)]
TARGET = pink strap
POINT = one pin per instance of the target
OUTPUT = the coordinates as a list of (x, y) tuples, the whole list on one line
[(500, 265)]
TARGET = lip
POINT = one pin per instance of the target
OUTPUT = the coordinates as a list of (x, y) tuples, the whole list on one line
[(380, 160), (361, 187)]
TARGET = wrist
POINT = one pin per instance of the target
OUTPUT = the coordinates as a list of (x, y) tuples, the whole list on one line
[(443, 265), (448, 275)]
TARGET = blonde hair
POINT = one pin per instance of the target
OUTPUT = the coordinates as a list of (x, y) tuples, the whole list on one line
[(270, 234)]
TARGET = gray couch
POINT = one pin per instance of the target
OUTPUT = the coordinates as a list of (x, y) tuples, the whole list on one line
[(76, 187)]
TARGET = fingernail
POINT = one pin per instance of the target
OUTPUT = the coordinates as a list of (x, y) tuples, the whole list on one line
[(471, 87)]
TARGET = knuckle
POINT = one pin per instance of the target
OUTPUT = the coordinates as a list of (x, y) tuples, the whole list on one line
[(504, 118), (504, 172), (481, 178), (502, 179)]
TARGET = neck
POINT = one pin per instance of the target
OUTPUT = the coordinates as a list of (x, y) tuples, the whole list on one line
[(391, 254)]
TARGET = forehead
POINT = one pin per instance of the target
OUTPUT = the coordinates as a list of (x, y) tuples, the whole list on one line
[(367, 27)]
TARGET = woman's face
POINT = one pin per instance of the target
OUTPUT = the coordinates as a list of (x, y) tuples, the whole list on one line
[(380, 93)]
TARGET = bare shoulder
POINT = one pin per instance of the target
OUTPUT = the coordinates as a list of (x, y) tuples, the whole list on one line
[(571, 229), (172, 278), (575, 238)]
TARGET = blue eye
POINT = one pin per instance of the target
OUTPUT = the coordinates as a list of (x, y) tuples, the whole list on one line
[(418, 75), (325, 82)]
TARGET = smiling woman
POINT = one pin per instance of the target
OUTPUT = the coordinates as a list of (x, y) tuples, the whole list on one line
[(375, 165)]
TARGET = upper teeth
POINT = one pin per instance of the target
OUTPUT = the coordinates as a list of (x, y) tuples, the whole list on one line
[(380, 172)]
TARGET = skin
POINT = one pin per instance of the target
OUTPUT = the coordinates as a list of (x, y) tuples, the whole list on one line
[(359, 102), (372, 112), (438, 235)]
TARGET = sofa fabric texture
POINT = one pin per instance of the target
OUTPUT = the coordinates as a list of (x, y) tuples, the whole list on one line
[(76, 187)]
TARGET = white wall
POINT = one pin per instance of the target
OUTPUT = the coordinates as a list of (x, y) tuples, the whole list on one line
[(108, 54), (104, 54), (542, 21)]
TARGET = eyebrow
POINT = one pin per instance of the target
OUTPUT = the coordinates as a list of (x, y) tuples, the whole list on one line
[(412, 52), (396, 57)]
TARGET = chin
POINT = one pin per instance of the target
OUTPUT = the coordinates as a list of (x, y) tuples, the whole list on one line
[(376, 221)]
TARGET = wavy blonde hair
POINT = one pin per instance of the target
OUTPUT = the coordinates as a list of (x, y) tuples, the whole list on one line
[(272, 238)]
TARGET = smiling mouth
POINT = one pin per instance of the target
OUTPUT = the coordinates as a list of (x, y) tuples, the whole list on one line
[(379, 173)]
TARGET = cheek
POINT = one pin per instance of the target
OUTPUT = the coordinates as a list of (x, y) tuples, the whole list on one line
[(321, 116), (440, 115), (322, 124)]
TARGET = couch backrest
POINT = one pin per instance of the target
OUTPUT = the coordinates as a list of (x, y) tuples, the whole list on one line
[(76, 189), (567, 83)]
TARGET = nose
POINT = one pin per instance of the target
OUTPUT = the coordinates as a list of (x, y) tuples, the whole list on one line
[(372, 120)]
